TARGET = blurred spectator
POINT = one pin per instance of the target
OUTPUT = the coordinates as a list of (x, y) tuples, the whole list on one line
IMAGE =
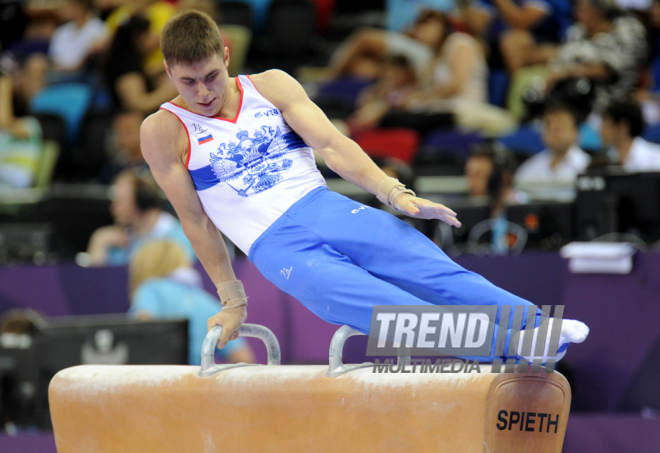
[(126, 128), (136, 208), (81, 36), (605, 46), (478, 168), (394, 89), (20, 142), (649, 95), (164, 285), (453, 89), (621, 129), (20, 321), (125, 75), (127, 133), (401, 14), (457, 72), (489, 172), (72, 44), (33, 40), (563, 159), (157, 12), (13, 22), (455, 84), (362, 54), (17, 327), (512, 29), (106, 7)]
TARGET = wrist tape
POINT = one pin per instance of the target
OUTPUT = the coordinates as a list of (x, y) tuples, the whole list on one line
[(389, 189), (231, 294)]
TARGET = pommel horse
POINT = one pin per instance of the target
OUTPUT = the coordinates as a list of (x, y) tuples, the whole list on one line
[(304, 408)]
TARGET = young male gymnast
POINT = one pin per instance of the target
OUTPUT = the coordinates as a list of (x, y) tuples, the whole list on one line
[(235, 154)]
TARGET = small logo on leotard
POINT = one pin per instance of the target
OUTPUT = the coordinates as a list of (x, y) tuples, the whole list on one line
[(286, 272), (199, 129), (272, 112), (355, 211)]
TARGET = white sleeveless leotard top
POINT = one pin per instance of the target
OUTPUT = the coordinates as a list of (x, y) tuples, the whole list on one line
[(247, 171)]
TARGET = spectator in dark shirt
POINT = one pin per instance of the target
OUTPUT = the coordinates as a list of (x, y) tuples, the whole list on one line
[(512, 29), (124, 72), (606, 46)]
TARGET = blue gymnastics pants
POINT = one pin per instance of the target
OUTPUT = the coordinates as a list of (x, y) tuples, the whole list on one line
[(340, 258)]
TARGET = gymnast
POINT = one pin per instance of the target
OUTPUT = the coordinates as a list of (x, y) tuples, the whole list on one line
[(235, 155)]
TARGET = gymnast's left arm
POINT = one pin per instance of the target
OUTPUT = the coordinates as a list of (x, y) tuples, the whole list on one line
[(341, 154)]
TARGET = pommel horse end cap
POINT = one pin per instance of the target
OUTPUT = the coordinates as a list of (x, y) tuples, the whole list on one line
[(299, 408)]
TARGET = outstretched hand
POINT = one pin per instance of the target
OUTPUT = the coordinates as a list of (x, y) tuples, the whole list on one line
[(421, 208)]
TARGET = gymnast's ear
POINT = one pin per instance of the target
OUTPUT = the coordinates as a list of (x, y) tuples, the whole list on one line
[(226, 57)]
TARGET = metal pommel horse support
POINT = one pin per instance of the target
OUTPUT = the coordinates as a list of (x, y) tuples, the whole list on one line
[(336, 365), (209, 367)]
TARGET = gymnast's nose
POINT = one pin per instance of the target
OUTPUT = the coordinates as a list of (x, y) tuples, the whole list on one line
[(202, 91)]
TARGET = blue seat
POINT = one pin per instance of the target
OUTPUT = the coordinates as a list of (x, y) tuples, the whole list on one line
[(346, 89), (449, 142), (68, 100), (526, 140)]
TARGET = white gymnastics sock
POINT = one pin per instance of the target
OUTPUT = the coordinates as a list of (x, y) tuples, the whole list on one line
[(571, 332)]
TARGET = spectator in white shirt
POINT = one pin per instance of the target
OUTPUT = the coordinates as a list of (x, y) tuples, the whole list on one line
[(622, 125), (563, 159), (77, 39), (72, 44)]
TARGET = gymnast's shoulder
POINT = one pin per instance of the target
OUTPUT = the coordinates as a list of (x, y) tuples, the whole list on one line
[(163, 133), (277, 86)]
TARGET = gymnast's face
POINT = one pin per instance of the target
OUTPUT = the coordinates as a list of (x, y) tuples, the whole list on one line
[(203, 85)]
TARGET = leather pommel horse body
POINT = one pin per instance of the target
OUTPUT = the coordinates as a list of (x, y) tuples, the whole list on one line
[(297, 408)]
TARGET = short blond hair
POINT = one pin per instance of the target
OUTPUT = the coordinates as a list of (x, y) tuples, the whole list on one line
[(190, 37), (156, 259)]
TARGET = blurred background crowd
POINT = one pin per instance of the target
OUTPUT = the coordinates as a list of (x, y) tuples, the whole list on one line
[(533, 119), (537, 121)]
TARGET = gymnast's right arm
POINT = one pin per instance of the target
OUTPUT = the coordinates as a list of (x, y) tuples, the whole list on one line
[(164, 145)]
